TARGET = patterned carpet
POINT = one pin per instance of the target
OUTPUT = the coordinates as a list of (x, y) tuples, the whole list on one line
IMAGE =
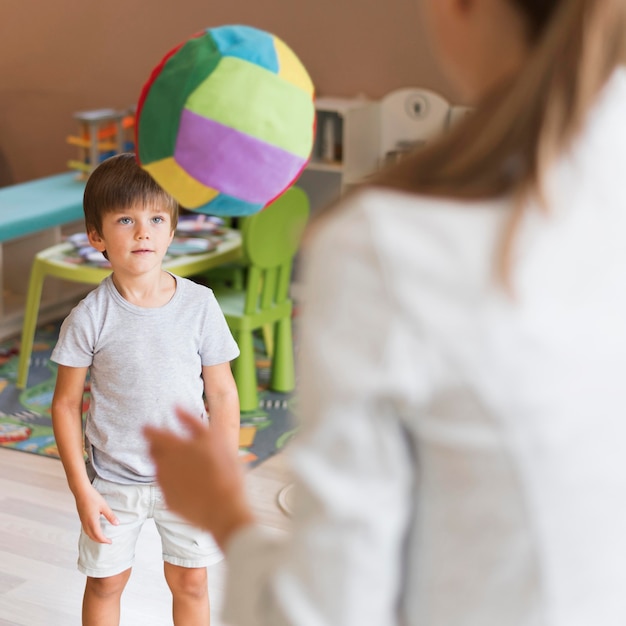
[(25, 422)]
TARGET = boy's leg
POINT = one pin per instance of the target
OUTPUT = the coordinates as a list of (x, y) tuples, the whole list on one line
[(190, 594), (108, 566), (101, 602), (187, 551)]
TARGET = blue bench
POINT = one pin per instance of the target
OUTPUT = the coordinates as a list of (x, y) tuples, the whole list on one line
[(27, 208)]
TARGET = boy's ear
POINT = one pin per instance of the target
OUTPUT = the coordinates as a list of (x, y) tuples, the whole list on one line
[(96, 241)]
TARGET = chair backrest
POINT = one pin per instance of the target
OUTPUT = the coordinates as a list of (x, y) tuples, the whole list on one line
[(270, 240), (410, 117)]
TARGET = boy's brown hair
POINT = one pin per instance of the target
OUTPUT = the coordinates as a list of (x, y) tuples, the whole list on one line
[(119, 183)]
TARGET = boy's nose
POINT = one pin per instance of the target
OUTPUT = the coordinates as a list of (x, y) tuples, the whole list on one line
[(142, 232)]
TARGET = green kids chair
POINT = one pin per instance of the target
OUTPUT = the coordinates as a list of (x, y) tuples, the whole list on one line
[(270, 240)]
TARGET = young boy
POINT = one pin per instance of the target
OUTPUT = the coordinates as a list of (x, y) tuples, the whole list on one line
[(150, 341)]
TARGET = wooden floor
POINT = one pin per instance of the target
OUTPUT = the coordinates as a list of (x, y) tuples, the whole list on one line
[(39, 582)]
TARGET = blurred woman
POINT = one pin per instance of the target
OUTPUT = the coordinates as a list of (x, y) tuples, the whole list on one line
[(461, 459)]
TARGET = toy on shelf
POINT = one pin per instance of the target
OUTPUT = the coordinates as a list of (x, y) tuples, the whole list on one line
[(103, 133), (410, 117)]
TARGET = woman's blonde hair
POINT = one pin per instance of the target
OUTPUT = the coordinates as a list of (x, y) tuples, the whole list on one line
[(506, 146)]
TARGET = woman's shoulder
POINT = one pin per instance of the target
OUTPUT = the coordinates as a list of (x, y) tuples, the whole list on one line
[(408, 241), (385, 204), (397, 221)]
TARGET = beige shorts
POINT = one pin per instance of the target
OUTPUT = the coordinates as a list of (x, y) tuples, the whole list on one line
[(182, 544)]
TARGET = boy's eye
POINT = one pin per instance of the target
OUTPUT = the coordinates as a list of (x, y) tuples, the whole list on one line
[(157, 219), (125, 220)]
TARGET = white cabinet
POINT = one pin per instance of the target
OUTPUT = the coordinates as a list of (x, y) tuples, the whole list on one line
[(346, 138), (346, 147)]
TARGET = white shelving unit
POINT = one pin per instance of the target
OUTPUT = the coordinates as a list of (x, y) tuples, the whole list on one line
[(346, 147)]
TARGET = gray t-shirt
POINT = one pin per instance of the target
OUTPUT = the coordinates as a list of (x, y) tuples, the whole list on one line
[(143, 362)]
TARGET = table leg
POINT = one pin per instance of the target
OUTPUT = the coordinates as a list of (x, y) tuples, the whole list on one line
[(31, 312)]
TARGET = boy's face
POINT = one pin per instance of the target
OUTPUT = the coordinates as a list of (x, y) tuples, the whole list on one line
[(136, 238)]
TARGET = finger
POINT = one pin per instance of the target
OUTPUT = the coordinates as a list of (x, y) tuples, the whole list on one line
[(160, 442), (101, 538), (190, 421), (95, 534), (109, 515), (157, 436)]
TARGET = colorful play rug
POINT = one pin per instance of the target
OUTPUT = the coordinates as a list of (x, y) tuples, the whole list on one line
[(25, 422)]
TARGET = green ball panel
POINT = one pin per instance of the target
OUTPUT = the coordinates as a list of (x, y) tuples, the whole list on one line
[(181, 75), (257, 102)]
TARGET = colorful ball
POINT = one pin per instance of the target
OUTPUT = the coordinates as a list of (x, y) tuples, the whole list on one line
[(225, 123)]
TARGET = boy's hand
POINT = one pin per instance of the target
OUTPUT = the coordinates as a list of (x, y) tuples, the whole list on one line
[(91, 505)]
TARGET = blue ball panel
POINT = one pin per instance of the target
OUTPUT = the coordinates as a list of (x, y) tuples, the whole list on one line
[(247, 43), (228, 206)]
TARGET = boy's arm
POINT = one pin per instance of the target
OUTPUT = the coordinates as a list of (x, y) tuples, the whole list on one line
[(67, 424), (223, 402)]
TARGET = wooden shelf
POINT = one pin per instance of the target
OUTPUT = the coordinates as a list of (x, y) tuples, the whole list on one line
[(324, 166)]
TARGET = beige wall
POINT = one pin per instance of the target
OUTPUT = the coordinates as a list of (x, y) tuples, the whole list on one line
[(62, 56)]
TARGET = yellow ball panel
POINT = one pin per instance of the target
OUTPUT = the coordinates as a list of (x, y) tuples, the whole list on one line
[(290, 68), (178, 183)]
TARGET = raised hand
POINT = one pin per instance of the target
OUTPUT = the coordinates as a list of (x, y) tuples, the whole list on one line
[(200, 477)]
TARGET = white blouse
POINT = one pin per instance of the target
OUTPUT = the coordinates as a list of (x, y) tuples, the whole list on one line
[(462, 459)]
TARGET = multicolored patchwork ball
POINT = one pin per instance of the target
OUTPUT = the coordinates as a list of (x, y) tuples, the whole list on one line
[(225, 122)]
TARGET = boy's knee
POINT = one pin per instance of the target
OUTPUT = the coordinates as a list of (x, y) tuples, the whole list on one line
[(109, 586), (191, 582)]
